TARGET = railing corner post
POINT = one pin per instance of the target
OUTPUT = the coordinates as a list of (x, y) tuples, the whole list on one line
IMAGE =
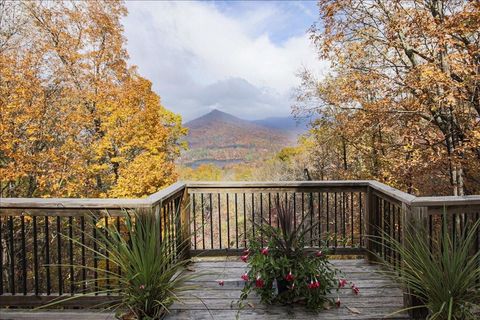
[(414, 217), (370, 223), (185, 224)]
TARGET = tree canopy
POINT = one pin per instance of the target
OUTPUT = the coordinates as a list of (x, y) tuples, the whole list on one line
[(402, 103), (75, 118)]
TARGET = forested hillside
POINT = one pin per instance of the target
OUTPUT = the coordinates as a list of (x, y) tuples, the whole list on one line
[(223, 139)]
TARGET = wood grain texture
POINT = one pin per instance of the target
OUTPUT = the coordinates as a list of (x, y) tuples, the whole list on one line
[(378, 298)]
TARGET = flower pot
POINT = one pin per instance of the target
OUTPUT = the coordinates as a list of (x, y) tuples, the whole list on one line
[(282, 285)]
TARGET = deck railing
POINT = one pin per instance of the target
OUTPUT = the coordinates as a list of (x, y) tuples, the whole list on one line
[(218, 217), (41, 240)]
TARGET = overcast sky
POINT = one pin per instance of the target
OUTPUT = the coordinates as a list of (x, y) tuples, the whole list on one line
[(238, 57)]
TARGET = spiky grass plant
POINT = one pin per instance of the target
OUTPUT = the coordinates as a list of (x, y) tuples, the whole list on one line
[(444, 278), (144, 276), (281, 267)]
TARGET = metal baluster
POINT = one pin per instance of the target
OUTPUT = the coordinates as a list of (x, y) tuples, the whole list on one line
[(59, 257), (194, 222), (24, 257)]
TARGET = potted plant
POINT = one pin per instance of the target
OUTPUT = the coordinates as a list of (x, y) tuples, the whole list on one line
[(282, 269)]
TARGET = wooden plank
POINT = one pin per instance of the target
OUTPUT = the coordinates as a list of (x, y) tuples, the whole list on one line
[(238, 252), (38, 300), (9, 314), (166, 193), (61, 212), (226, 304), (342, 313), (72, 203), (392, 192), (472, 200), (275, 184), (365, 293)]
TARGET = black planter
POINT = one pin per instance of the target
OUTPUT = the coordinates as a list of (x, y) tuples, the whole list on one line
[(282, 285)]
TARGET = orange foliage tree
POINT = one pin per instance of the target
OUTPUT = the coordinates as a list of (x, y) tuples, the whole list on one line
[(402, 103), (75, 119)]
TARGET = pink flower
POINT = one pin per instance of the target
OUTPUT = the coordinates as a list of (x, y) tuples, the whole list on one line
[(314, 284), (337, 302), (289, 277), (342, 283), (221, 283), (264, 251), (259, 283), (142, 286), (355, 289), (319, 254), (244, 258), (246, 252), (245, 276)]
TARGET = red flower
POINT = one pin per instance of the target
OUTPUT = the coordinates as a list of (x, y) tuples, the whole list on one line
[(314, 284), (244, 258), (264, 251), (342, 283), (245, 276), (246, 252), (355, 289), (289, 277), (337, 302), (319, 254), (221, 283), (259, 283)]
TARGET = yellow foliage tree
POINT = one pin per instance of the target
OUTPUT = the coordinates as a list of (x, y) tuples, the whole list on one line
[(403, 102), (75, 119)]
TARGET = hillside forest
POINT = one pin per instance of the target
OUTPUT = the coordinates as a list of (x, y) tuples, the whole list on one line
[(401, 105)]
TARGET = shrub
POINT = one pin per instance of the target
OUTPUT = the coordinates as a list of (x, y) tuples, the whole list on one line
[(444, 278), (145, 278), (282, 269)]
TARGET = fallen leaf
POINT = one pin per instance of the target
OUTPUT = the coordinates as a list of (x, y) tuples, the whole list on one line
[(353, 310)]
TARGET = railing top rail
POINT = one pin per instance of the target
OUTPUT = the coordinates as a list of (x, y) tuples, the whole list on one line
[(99, 203), (72, 203), (166, 193), (276, 184), (392, 192), (90, 203), (446, 201)]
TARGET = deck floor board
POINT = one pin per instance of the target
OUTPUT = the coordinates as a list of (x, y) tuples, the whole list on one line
[(379, 296)]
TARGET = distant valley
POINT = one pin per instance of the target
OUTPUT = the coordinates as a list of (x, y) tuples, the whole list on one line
[(222, 139)]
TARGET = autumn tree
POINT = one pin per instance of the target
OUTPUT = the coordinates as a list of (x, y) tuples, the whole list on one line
[(75, 119), (403, 97)]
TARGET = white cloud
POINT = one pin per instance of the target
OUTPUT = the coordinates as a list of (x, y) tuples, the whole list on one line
[(198, 56)]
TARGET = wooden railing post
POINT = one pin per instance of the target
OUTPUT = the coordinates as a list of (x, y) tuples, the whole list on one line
[(186, 237), (371, 223), (414, 219)]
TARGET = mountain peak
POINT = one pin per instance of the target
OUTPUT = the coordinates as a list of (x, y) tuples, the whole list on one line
[(214, 116)]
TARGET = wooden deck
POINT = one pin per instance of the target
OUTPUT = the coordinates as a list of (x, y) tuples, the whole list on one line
[(378, 297)]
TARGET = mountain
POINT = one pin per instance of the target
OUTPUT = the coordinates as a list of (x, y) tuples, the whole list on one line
[(221, 138), (284, 123)]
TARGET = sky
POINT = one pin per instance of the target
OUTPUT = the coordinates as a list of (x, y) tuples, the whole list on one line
[(240, 57)]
